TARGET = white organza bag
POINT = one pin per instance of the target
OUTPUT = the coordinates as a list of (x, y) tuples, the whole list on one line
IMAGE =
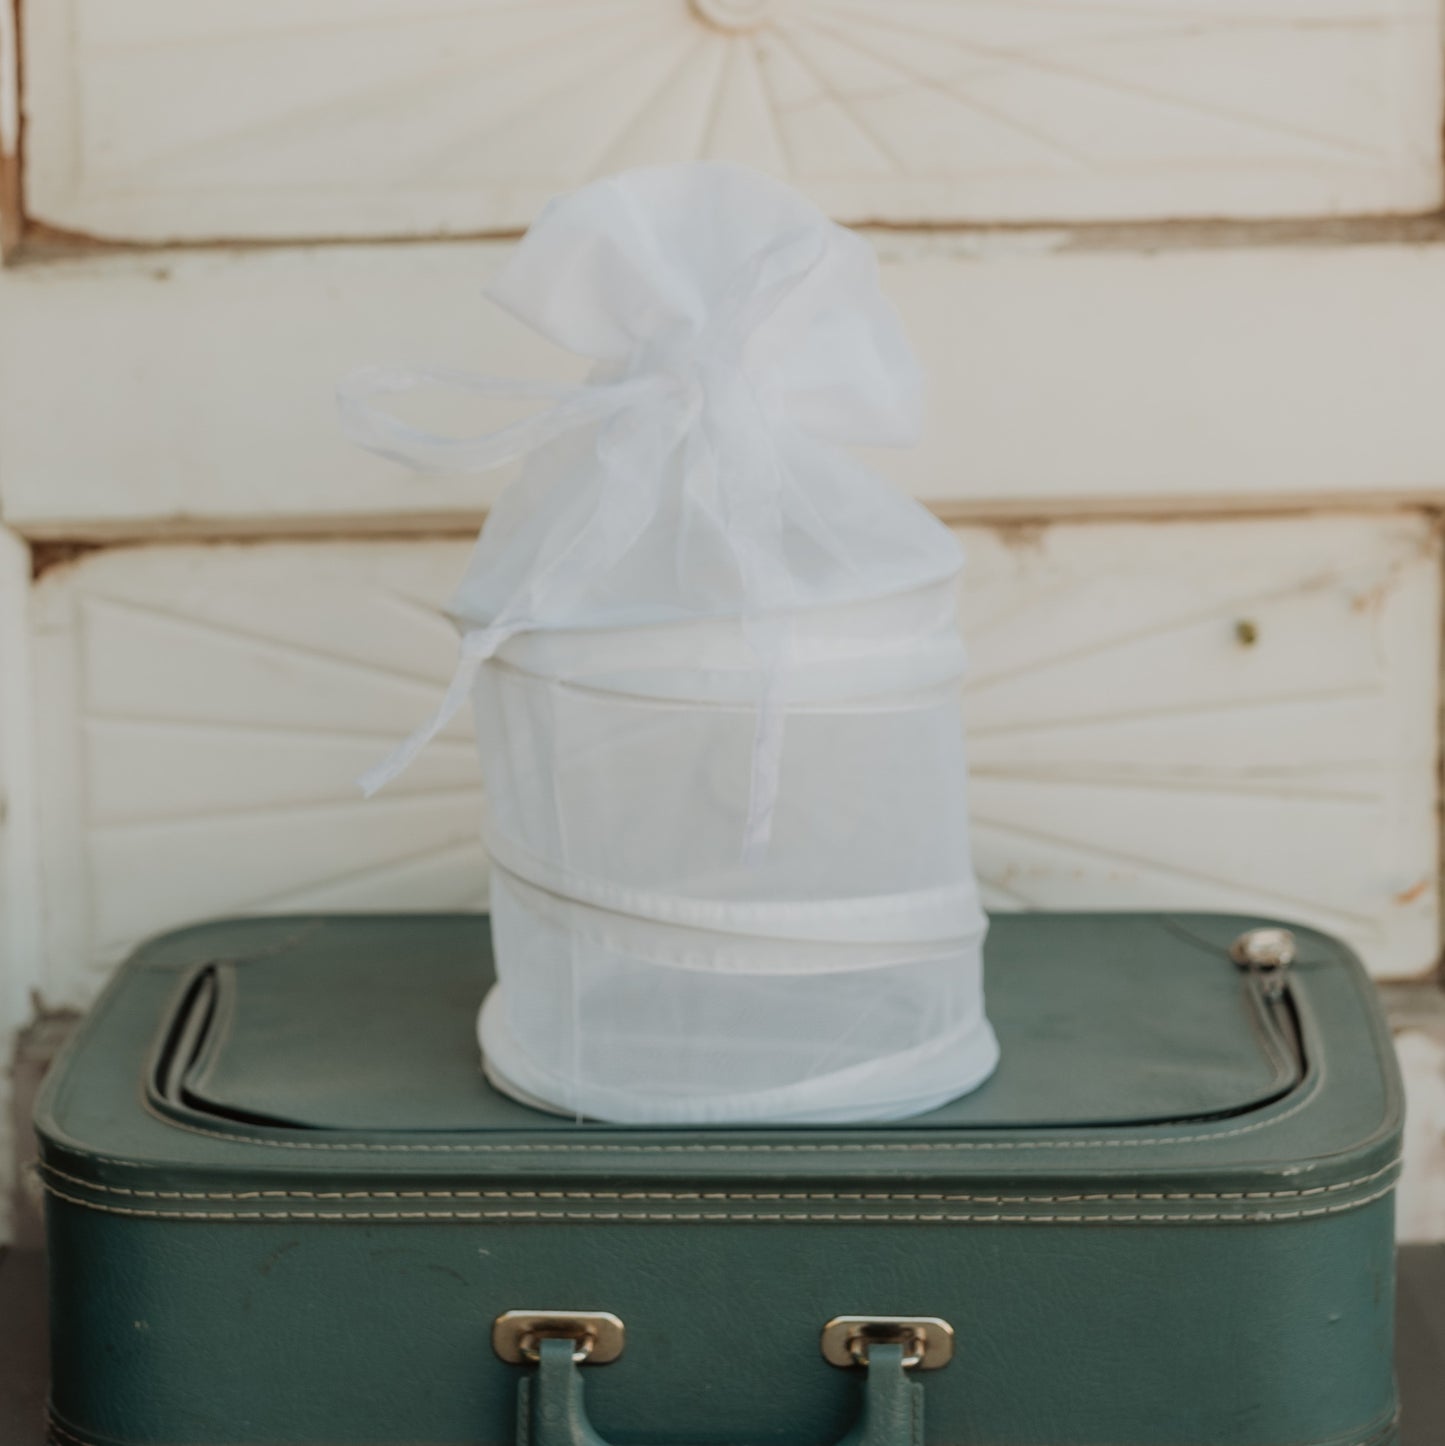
[(714, 667)]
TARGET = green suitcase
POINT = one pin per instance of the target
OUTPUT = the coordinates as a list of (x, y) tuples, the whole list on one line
[(284, 1206)]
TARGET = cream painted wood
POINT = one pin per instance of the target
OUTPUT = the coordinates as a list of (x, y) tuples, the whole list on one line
[(1213, 716), (318, 118), (209, 709), (20, 939), (140, 394), (9, 86), (19, 892), (208, 706)]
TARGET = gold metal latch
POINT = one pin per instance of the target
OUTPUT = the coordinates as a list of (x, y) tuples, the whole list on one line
[(597, 1335), (927, 1341)]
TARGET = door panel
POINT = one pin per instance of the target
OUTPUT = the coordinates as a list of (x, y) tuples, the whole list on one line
[(315, 118), (1192, 715), (146, 395)]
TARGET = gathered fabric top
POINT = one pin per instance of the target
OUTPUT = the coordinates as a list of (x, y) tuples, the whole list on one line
[(740, 342)]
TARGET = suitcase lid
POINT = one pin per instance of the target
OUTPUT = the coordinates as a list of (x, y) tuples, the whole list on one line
[(333, 1059), (361, 1030)]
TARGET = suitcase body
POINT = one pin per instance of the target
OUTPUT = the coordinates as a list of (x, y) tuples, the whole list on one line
[(284, 1206)]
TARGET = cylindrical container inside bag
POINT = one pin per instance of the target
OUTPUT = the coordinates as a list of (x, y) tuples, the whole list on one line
[(714, 665), (647, 973)]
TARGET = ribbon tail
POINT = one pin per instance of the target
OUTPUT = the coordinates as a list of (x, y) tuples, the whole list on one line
[(608, 532), (477, 647), (766, 773), (572, 405), (770, 638)]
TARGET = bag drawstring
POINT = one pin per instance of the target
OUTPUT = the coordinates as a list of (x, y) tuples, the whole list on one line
[(688, 391), (575, 405)]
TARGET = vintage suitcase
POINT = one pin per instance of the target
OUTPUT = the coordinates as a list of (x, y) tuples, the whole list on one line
[(284, 1206)]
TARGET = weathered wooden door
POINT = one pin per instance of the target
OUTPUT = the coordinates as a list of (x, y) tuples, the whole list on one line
[(1174, 270)]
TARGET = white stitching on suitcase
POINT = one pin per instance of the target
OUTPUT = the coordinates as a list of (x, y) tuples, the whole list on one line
[(71, 1439), (704, 1195), (944, 1146), (777, 1217)]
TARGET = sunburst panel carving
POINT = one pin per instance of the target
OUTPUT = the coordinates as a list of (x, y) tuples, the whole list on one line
[(1207, 715), (1210, 715), (313, 117)]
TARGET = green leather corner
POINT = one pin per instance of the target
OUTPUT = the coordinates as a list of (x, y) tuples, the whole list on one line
[(284, 1207)]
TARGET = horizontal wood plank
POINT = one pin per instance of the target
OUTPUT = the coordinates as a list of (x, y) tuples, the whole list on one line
[(1193, 715), (192, 393)]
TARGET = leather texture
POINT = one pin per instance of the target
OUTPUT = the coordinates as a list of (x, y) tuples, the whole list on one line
[(248, 1248), (1084, 1040), (552, 1408)]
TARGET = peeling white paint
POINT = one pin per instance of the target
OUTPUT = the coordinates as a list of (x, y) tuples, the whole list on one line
[(9, 81), (20, 895)]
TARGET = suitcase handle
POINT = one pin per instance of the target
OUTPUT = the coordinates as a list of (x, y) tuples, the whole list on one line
[(551, 1410)]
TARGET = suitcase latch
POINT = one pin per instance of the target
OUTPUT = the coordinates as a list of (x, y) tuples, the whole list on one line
[(1267, 954), (597, 1335), (927, 1341)]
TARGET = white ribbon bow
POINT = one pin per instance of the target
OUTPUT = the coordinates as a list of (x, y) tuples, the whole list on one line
[(695, 394)]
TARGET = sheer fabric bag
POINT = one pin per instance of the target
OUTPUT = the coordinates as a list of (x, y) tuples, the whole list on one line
[(714, 667)]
